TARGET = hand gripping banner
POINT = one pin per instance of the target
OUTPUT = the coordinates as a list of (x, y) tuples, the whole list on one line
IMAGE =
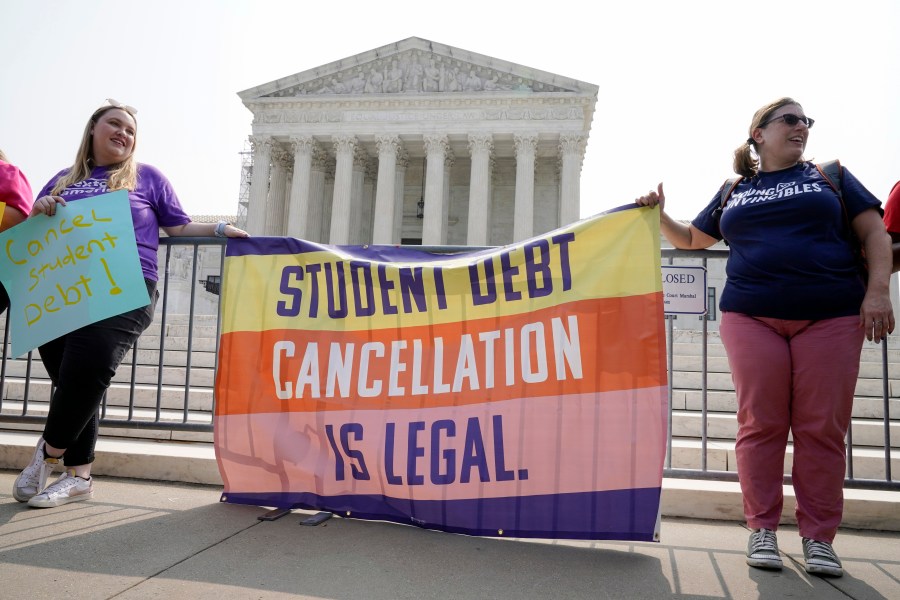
[(516, 392)]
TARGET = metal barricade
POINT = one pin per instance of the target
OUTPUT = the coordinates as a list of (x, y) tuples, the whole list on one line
[(156, 386)]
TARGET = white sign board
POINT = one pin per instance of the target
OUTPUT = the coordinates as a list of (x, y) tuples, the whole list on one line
[(684, 290)]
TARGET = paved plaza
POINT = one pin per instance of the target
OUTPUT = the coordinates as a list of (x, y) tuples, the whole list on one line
[(144, 539)]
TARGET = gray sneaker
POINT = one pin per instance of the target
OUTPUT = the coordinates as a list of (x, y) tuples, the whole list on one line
[(68, 488), (821, 559), (33, 478), (762, 550)]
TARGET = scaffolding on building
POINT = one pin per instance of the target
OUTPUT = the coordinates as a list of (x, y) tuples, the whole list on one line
[(244, 191)]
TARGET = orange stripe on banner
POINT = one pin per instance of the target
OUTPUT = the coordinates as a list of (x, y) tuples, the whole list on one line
[(589, 346)]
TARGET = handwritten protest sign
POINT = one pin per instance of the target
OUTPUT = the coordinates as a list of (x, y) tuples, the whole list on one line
[(513, 392), (72, 269)]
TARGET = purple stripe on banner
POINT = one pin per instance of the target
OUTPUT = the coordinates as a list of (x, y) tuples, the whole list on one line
[(618, 209), (612, 515), (268, 245), (283, 245)]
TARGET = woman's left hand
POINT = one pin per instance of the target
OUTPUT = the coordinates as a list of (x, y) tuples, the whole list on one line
[(233, 232), (876, 315)]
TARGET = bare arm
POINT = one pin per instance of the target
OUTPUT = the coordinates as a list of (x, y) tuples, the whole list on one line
[(681, 235), (10, 218), (875, 315), (203, 230)]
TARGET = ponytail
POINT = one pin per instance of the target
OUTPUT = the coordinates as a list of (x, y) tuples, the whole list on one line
[(745, 164)]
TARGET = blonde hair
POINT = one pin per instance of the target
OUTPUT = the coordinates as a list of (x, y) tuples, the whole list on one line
[(122, 176), (745, 164), (3, 156)]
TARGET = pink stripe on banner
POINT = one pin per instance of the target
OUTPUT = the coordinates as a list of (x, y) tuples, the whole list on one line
[(580, 443)]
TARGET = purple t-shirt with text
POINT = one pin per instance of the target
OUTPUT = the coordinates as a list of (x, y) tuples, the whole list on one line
[(153, 205)]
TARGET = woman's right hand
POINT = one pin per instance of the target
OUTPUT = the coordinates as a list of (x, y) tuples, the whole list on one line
[(46, 205), (652, 198)]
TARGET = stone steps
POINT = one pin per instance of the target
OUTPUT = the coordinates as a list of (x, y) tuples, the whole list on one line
[(146, 356), (723, 382), (145, 395), (128, 433), (723, 426), (871, 352), (144, 374), (198, 456), (868, 463), (864, 407), (719, 364), (161, 460), (687, 421)]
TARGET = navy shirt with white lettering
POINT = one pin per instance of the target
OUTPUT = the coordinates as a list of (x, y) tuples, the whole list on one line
[(791, 252)]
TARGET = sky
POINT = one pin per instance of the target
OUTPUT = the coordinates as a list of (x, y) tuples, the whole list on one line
[(679, 81)]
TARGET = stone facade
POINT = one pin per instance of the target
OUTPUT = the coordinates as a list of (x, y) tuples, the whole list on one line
[(416, 142)]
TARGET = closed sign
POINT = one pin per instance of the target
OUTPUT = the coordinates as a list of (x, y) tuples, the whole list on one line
[(684, 290)]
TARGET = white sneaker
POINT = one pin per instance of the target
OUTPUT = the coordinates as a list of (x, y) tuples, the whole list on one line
[(33, 478), (68, 488)]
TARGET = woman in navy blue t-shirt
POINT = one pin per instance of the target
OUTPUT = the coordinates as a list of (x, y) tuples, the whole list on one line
[(795, 309)]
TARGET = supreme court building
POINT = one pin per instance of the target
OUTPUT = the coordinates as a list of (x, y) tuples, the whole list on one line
[(416, 142)]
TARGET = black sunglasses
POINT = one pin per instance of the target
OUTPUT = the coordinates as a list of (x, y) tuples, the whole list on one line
[(792, 120)]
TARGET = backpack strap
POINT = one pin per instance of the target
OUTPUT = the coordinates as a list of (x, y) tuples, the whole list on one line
[(725, 193), (832, 172)]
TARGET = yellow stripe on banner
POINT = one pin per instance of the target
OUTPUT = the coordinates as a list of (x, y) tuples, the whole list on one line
[(608, 256)]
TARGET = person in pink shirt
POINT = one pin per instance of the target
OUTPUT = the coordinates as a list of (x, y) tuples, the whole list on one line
[(15, 193), (892, 222)]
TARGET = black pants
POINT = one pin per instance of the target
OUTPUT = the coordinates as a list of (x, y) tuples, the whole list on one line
[(81, 365), (4, 299)]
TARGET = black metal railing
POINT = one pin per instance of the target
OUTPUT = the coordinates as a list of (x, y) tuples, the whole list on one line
[(154, 387)]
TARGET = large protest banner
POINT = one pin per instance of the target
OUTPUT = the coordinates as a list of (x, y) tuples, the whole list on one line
[(513, 392), (75, 268)]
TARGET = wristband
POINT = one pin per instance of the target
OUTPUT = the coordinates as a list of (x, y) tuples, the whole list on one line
[(220, 228)]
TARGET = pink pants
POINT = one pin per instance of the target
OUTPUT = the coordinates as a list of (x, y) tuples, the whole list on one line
[(798, 377)]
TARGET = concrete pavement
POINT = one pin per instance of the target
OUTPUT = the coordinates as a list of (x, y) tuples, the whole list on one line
[(144, 539)]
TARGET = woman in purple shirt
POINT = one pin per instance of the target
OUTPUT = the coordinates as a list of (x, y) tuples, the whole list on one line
[(82, 363)]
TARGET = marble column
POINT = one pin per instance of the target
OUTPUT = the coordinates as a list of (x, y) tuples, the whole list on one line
[(385, 195), (259, 183), (275, 206), (316, 226), (479, 225), (448, 165), (571, 150), (399, 188), (344, 150), (289, 184), (297, 221), (357, 218), (368, 199), (523, 218), (436, 147)]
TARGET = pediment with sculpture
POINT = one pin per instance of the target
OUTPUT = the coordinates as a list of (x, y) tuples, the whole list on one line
[(417, 71)]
